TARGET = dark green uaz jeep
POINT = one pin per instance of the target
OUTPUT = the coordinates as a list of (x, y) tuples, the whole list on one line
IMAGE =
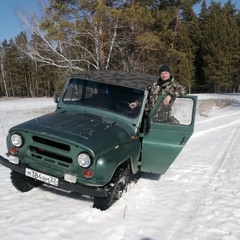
[(94, 140)]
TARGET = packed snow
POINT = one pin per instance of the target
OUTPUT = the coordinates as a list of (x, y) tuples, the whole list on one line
[(198, 198)]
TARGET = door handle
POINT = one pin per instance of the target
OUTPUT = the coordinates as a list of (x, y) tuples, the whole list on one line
[(183, 140)]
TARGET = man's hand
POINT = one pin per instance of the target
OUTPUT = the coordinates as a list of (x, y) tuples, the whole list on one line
[(133, 105), (167, 100)]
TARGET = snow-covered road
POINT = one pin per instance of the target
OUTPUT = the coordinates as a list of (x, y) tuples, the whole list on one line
[(197, 199)]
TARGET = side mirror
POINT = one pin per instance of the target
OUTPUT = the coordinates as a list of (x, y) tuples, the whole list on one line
[(55, 97)]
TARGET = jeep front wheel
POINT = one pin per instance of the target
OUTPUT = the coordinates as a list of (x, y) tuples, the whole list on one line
[(22, 182), (117, 186)]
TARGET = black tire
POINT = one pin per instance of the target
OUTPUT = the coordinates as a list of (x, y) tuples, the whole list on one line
[(117, 186), (22, 182)]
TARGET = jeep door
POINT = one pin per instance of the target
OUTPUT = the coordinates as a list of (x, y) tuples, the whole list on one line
[(169, 131)]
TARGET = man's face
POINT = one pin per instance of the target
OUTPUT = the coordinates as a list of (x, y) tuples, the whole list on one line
[(164, 75)]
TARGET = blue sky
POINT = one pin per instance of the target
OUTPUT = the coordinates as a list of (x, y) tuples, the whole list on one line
[(236, 2), (11, 26)]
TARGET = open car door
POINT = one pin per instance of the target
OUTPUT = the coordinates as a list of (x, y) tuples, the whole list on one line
[(169, 130)]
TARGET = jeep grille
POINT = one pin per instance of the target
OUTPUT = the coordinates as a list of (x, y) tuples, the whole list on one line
[(42, 152), (51, 143)]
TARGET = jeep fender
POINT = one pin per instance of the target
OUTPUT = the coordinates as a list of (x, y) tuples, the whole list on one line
[(107, 164)]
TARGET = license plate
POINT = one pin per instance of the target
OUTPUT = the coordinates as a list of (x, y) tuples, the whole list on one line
[(41, 177)]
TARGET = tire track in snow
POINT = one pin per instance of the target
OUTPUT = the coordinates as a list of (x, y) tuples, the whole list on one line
[(188, 231), (228, 146), (205, 125), (213, 119), (200, 133)]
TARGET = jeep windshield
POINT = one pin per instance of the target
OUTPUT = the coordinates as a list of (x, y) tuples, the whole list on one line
[(104, 96)]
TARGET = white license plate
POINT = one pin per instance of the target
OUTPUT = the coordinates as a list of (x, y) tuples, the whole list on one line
[(41, 177)]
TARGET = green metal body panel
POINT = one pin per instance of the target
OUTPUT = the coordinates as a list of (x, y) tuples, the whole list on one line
[(108, 144), (165, 141)]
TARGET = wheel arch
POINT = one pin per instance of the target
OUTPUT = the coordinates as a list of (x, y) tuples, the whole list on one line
[(105, 169)]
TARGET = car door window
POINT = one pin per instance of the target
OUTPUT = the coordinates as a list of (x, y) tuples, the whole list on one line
[(180, 112)]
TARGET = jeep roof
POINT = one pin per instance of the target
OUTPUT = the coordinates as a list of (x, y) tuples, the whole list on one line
[(127, 79)]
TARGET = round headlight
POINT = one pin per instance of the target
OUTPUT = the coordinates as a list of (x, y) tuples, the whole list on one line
[(16, 140), (84, 160)]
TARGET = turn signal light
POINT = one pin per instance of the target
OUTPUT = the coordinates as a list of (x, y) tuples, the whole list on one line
[(133, 138), (88, 173), (14, 151)]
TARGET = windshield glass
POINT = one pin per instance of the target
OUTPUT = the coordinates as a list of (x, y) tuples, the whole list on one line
[(104, 96)]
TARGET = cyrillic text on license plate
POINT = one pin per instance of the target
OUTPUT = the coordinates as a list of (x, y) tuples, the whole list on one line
[(41, 177)]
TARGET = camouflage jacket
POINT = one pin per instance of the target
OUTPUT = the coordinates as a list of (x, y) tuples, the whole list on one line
[(170, 87)]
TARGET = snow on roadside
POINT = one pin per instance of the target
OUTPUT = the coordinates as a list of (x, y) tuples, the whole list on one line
[(17, 110), (198, 197)]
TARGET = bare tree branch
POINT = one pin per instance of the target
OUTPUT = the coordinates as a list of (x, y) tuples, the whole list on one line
[(58, 58)]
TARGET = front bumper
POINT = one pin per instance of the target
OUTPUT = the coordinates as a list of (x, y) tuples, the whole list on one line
[(72, 187)]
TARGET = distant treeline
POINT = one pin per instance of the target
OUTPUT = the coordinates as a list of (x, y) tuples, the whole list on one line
[(203, 50)]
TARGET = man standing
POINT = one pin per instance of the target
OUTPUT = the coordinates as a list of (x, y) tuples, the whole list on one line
[(165, 85)]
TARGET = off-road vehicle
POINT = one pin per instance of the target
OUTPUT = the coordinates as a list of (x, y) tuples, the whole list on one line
[(93, 141)]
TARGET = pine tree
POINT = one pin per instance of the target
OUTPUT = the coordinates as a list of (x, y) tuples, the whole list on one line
[(218, 48)]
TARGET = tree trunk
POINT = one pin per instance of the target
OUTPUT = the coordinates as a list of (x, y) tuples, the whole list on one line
[(4, 80), (100, 36)]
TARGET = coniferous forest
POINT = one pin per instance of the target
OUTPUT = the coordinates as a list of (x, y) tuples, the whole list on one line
[(203, 50)]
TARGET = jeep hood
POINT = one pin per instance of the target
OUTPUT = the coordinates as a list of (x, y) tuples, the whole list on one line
[(87, 131)]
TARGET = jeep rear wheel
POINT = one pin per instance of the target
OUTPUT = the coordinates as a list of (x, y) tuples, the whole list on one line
[(117, 186), (22, 182)]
